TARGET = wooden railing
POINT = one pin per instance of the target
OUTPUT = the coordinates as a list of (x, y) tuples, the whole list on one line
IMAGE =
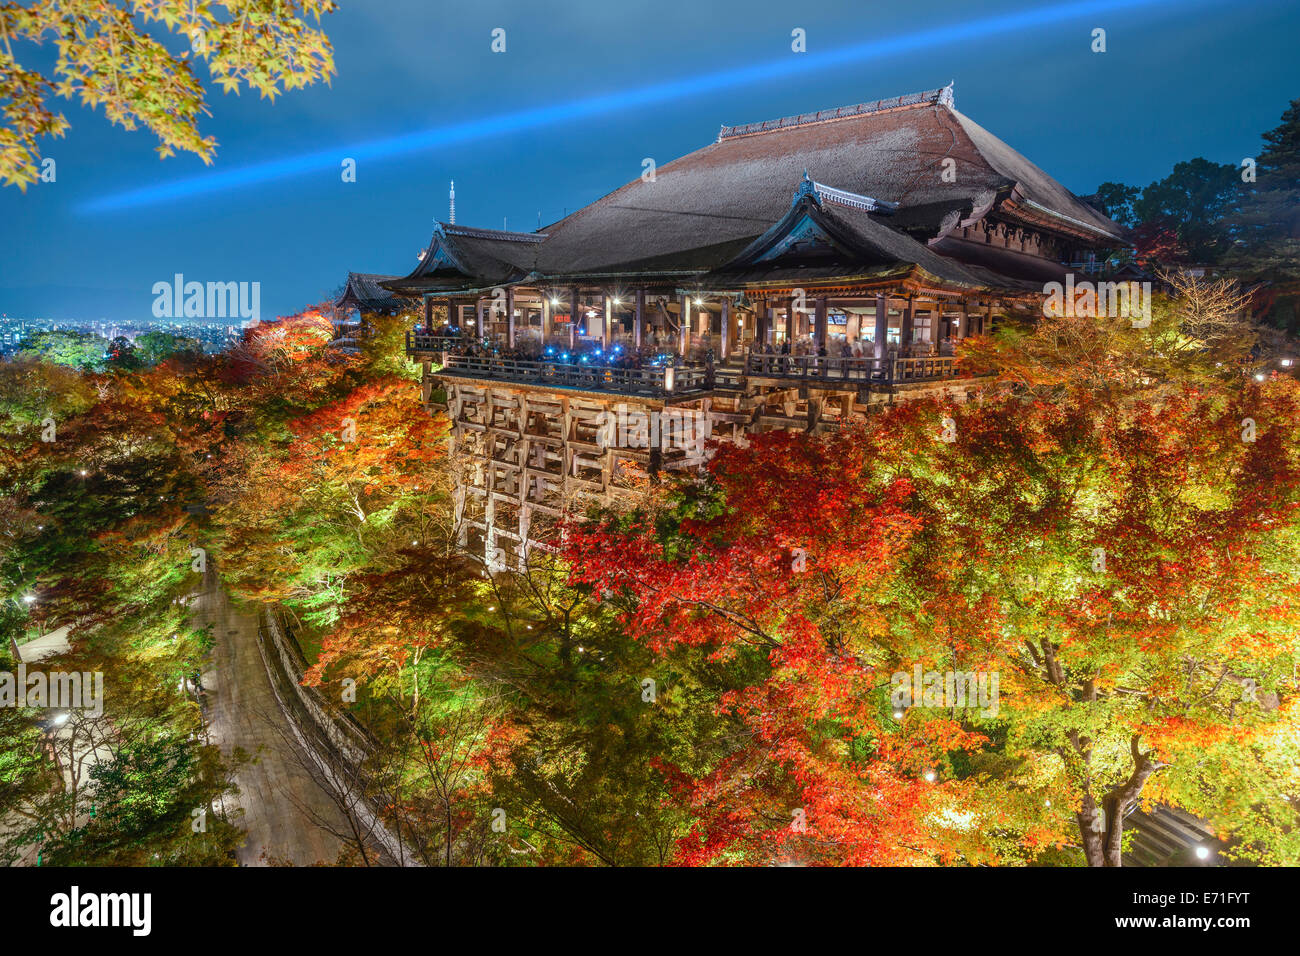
[(662, 379), (417, 341), (886, 370), (656, 380)]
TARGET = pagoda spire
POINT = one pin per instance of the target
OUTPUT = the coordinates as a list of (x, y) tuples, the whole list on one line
[(451, 216)]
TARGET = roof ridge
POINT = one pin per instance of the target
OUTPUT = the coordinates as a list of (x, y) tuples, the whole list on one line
[(503, 234), (942, 96)]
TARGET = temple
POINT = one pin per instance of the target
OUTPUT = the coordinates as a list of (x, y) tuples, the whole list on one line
[(792, 274), (363, 295)]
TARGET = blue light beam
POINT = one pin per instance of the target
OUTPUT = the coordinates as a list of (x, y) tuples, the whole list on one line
[(421, 140)]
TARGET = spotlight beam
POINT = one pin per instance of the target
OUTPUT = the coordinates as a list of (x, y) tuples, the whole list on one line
[(785, 67)]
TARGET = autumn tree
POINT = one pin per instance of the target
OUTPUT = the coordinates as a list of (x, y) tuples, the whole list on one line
[(95, 477), (349, 480), (1111, 527), (779, 594), (116, 54)]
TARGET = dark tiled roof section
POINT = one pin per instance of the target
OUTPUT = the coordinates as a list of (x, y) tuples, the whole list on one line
[(852, 243), (493, 235), (363, 291), (979, 257), (460, 257), (902, 247)]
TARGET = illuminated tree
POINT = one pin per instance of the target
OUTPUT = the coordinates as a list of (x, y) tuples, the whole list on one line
[(105, 57), (1112, 528)]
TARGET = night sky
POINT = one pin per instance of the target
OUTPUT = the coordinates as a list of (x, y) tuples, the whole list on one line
[(601, 84)]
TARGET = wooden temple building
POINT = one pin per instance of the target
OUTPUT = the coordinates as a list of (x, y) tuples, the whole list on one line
[(362, 296), (791, 274)]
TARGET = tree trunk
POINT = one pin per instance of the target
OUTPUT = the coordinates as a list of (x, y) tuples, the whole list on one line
[(1102, 828)]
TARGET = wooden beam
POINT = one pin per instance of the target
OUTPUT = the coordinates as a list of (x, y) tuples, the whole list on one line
[(510, 316), (726, 329), (573, 318), (638, 322), (882, 326), (684, 327)]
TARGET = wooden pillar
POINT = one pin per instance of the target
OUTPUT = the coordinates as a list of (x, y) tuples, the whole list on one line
[(510, 316), (638, 321), (905, 327), (546, 316), (963, 322), (482, 329), (882, 326), (726, 330), (770, 312), (823, 321), (573, 317), (684, 327), (606, 333), (428, 314)]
